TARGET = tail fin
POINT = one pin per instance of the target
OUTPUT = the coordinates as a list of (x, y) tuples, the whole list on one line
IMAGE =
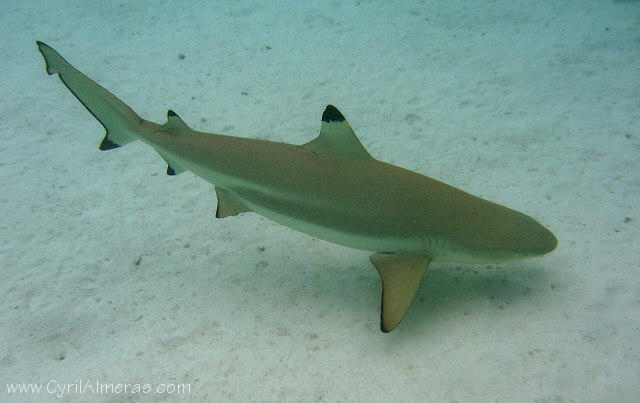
[(116, 117)]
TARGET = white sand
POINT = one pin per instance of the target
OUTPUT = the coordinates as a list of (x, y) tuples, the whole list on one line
[(534, 105)]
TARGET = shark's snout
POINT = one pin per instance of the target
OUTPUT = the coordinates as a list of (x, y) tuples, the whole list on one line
[(546, 242), (534, 239)]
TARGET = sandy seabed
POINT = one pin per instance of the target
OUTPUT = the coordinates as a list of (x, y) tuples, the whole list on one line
[(114, 274)]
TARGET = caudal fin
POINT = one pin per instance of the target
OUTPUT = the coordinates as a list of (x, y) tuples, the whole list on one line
[(116, 117)]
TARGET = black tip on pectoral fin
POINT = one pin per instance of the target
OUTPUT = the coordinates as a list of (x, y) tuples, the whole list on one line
[(401, 276)]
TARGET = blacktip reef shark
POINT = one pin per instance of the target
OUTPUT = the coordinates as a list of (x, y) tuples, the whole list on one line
[(330, 188)]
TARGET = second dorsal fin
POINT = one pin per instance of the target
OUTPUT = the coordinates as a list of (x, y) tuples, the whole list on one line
[(337, 136), (174, 122)]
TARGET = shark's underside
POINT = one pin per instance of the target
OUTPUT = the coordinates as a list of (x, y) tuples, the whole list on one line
[(330, 188)]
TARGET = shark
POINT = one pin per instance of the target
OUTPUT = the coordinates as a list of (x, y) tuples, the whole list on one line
[(330, 188)]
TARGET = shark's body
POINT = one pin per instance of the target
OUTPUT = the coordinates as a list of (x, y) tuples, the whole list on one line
[(330, 188)]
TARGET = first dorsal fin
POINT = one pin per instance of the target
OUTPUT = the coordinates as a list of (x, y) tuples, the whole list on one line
[(337, 136), (174, 122)]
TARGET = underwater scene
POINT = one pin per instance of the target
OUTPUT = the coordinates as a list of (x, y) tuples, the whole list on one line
[(267, 201)]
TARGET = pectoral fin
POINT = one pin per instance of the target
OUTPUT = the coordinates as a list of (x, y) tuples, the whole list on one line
[(401, 276)]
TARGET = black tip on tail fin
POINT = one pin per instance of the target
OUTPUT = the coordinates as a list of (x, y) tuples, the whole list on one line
[(120, 122), (107, 144), (45, 50)]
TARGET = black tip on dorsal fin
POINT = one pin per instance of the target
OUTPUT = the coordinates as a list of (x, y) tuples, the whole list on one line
[(332, 114), (174, 121), (336, 136)]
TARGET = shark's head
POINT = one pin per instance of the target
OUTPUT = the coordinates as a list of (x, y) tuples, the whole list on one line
[(498, 236), (530, 238), (517, 236)]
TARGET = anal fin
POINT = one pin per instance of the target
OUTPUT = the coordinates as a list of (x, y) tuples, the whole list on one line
[(173, 168), (401, 276)]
